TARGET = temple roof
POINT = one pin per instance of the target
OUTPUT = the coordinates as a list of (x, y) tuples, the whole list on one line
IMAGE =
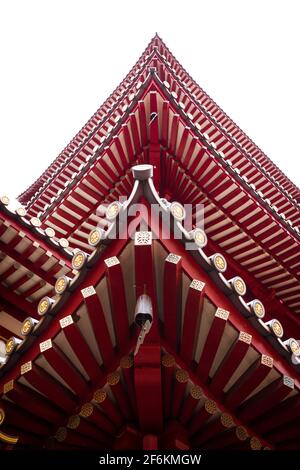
[(225, 312)]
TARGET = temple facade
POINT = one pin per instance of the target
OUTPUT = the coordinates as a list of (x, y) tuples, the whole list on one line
[(150, 282)]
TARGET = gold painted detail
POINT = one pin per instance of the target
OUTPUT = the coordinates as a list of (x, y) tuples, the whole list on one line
[(239, 285), (8, 386), (172, 258), (227, 420), (11, 344), (95, 237), (197, 285), (86, 410), (200, 237), (177, 210), (100, 395), (27, 326), (219, 262), (111, 261), (66, 321), (241, 433), (288, 381), (196, 392), (61, 284), (2, 415), (113, 210), (255, 443), (8, 439), (45, 345), (276, 327), (4, 200), (26, 367), (126, 362), (222, 313), (294, 346), (35, 221), (181, 376), (78, 259), (113, 378), (267, 360), (73, 422), (61, 434), (210, 406), (258, 308), (143, 238), (168, 360), (44, 305), (21, 211), (245, 337)]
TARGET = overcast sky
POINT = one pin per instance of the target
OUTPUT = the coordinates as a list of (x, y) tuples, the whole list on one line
[(60, 59)]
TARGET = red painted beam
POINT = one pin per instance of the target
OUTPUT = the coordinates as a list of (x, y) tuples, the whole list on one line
[(80, 347), (116, 289), (191, 319), (172, 299), (48, 386), (62, 365), (229, 364), (248, 382), (211, 343), (98, 321)]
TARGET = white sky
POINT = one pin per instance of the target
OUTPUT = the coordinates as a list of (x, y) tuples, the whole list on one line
[(60, 59)]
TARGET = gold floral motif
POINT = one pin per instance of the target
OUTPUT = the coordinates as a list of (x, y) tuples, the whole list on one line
[(26, 327), (43, 305), (200, 238), (94, 237), (177, 211), (61, 434), (241, 433), (60, 285), (168, 360), (294, 346), (78, 260), (86, 410), (196, 392), (100, 395), (10, 345), (113, 210), (182, 376)]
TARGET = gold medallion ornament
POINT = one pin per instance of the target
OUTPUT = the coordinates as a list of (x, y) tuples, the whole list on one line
[(275, 327), (44, 305), (61, 434), (64, 243), (210, 407), (255, 443), (200, 237), (35, 221), (21, 211), (100, 395), (196, 392), (113, 378), (11, 344), (293, 346), (113, 210), (86, 410), (241, 433), (61, 284), (168, 360), (4, 200), (95, 237), (177, 210), (219, 262), (27, 326), (73, 422), (78, 259), (126, 362), (226, 420), (182, 376), (238, 285), (2, 416), (257, 308), (50, 232)]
